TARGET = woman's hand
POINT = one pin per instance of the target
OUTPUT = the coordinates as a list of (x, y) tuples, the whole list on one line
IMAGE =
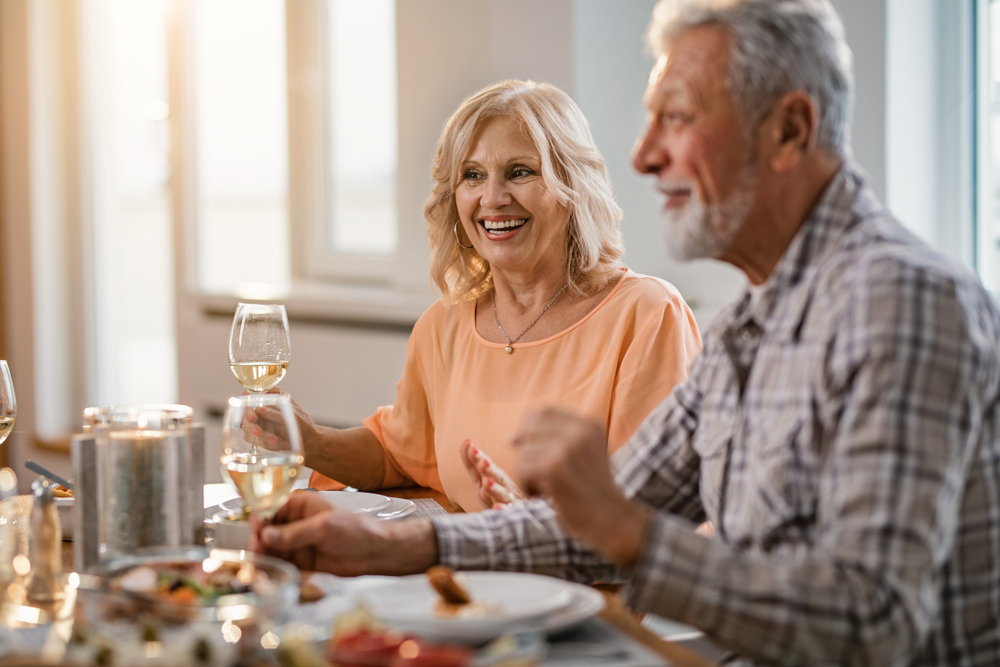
[(351, 456), (263, 427), (316, 537), (564, 459), (494, 487)]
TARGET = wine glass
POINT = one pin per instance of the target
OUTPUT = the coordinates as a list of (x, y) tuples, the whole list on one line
[(8, 412), (8, 402), (261, 450), (259, 349)]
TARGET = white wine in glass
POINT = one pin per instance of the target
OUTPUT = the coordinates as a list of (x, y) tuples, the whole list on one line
[(261, 450), (258, 377), (259, 347), (8, 402)]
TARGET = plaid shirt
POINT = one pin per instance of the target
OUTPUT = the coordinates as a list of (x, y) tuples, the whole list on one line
[(841, 432)]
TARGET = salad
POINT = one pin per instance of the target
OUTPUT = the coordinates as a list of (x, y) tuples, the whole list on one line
[(193, 583)]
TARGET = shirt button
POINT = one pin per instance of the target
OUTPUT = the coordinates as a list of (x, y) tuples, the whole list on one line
[(746, 334)]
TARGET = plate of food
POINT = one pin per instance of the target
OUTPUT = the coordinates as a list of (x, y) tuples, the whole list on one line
[(470, 607)]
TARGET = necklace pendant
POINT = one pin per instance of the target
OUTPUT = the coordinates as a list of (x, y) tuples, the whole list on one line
[(509, 350)]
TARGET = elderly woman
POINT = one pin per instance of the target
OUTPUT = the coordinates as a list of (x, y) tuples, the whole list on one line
[(536, 308)]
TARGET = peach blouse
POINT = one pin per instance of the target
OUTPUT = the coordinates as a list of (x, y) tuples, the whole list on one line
[(614, 365)]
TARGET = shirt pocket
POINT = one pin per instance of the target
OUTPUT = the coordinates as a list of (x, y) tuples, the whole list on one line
[(711, 443), (780, 484)]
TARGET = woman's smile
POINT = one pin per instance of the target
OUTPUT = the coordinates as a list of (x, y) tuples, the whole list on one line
[(501, 228)]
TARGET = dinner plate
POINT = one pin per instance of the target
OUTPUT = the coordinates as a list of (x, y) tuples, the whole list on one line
[(231, 506), (353, 501), (397, 509), (357, 501), (586, 602), (510, 601)]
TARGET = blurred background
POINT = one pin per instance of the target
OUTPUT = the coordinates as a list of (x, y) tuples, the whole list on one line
[(162, 160)]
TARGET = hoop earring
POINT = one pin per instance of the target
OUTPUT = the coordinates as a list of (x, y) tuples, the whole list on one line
[(459, 242)]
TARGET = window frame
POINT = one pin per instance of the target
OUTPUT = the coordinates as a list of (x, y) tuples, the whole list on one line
[(310, 160)]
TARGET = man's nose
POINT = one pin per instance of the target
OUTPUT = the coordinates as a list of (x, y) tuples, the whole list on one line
[(648, 156)]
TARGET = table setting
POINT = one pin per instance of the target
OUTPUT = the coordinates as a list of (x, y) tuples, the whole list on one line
[(135, 560)]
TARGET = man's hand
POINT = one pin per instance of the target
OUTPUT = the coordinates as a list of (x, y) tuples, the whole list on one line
[(314, 536), (494, 487), (564, 459)]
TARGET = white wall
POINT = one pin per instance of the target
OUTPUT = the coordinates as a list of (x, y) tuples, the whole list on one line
[(928, 120)]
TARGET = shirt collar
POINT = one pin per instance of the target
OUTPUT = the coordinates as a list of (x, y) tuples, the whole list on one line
[(786, 294)]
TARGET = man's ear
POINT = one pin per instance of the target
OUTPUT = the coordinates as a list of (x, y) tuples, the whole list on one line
[(790, 130)]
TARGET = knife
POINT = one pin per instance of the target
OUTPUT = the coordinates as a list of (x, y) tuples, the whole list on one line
[(45, 472)]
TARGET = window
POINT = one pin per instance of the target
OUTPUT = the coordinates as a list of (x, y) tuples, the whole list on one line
[(344, 144), (127, 156), (363, 137), (240, 145), (291, 143)]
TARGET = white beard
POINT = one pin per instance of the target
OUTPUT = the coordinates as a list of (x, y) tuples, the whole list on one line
[(700, 231)]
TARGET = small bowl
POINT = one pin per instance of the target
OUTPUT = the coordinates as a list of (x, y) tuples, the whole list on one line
[(231, 530), (108, 607)]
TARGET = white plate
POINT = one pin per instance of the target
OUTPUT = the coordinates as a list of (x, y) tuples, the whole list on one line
[(232, 506), (398, 508), (586, 602), (516, 601), (356, 501)]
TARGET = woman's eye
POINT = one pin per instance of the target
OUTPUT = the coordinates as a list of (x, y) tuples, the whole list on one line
[(520, 172), (470, 175)]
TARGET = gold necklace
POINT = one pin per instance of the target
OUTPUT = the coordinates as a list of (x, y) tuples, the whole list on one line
[(510, 343)]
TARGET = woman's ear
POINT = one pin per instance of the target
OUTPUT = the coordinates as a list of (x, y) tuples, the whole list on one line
[(790, 130)]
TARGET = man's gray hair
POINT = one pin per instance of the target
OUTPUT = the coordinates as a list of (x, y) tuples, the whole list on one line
[(778, 46)]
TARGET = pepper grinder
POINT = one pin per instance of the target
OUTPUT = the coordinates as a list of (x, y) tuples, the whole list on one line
[(46, 546)]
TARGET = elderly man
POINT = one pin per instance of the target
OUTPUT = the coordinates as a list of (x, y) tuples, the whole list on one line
[(839, 428)]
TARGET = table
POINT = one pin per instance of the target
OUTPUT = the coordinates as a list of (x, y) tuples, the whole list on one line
[(614, 613)]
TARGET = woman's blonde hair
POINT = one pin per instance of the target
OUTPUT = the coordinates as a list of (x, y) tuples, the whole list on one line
[(572, 168)]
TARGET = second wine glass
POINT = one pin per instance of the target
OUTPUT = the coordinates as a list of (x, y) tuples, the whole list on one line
[(261, 450), (259, 347)]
